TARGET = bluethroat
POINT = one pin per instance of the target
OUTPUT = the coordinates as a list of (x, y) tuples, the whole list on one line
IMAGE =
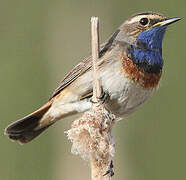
[(130, 67)]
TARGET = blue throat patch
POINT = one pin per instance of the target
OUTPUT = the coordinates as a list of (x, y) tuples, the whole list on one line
[(150, 56)]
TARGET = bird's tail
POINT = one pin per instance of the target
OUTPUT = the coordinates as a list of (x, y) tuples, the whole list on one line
[(26, 129)]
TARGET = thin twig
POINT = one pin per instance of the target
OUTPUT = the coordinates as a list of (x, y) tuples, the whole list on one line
[(91, 134), (100, 169), (95, 56)]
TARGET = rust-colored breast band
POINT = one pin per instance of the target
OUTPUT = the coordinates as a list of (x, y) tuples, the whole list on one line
[(138, 75)]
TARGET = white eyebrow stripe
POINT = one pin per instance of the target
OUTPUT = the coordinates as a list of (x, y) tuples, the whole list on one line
[(137, 18)]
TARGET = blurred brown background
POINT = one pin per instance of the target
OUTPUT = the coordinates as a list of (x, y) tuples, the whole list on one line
[(40, 41)]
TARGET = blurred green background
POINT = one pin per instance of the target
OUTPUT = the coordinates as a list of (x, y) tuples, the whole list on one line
[(40, 41)]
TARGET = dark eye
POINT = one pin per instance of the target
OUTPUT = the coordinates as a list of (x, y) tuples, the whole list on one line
[(144, 21)]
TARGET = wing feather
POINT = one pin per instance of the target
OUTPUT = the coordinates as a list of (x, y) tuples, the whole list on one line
[(83, 66)]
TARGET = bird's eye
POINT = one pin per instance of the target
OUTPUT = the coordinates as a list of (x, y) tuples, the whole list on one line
[(144, 21)]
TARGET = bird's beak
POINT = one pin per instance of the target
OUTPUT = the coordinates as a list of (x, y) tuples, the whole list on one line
[(167, 22)]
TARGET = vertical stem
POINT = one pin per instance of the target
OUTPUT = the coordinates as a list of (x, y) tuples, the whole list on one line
[(98, 168), (95, 56)]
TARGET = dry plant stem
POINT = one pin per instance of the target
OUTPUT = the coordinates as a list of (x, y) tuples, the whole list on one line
[(91, 134), (95, 56), (98, 168)]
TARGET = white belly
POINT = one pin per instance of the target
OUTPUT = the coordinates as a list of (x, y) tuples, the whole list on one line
[(125, 96)]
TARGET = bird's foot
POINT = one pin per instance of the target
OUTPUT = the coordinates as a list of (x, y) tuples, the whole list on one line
[(101, 99)]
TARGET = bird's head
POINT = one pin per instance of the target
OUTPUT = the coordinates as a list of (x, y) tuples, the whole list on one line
[(144, 33)]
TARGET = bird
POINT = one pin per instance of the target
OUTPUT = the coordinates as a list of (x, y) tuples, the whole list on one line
[(130, 68)]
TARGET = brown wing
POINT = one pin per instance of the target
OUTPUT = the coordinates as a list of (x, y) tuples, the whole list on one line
[(83, 66)]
